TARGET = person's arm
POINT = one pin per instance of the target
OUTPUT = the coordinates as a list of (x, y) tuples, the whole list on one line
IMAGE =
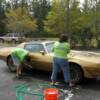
[(27, 65), (26, 61), (68, 48), (53, 47)]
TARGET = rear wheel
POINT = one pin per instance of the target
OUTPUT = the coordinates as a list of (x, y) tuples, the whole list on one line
[(1, 41), (10, 64), (76, 73), (13, 41)]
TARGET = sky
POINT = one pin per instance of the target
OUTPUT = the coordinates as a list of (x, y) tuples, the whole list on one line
[(82, 1)]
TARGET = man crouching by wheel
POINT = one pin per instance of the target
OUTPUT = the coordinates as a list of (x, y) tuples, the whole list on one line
[(20, 56)]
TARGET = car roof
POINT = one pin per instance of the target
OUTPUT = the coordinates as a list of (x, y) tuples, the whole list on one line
[(39, 42), (34, 42)]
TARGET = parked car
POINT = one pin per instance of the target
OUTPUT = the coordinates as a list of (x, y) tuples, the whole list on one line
[(82, 63), (12, 37)]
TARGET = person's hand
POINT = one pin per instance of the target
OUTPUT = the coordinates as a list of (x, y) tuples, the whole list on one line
[(13, 64), (30, 66)]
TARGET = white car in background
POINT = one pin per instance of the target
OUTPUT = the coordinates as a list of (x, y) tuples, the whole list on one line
[(12, 38)]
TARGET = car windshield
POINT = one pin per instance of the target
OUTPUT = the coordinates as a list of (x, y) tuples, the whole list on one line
[(34, 47), (49, 47)]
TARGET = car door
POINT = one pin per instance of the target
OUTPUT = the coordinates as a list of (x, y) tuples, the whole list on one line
[(39, 58)]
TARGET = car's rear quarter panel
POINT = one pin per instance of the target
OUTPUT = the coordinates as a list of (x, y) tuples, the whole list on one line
[(89, 65)]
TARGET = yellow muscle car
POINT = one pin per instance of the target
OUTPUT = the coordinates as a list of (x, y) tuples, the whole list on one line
[(82, 63)]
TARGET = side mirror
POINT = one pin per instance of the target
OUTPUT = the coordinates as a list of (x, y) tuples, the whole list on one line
[(42, 52)]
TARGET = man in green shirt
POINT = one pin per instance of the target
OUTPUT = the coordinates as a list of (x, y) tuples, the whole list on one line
[(20, 56), (60, 50)]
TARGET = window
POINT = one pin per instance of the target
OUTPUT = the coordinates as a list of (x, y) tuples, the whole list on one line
[(49, 47), (34, 47)]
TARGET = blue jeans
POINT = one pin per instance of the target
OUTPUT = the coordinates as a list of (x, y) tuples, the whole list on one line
[(59, 63)]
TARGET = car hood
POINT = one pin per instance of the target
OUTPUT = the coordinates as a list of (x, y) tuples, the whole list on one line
[(85, 55)]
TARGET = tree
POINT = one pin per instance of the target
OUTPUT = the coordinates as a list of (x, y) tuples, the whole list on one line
[(7, 6), (86, 22), (23, 3), (96, 21), (74, 21), (14, 4), (91, 14), (56, 19), (63, 19), (40, 10), (2, 18), (20, 21)]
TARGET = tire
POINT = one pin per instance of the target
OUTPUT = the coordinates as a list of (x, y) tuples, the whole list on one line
[(1, 41), (13, 41), (76, 73), (11, 67)]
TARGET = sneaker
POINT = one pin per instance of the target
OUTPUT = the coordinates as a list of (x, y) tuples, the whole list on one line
[(52, 83), (18, 77), (71, 84)]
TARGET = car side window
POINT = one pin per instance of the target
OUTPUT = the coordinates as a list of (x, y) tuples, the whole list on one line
[(34, 47), (7, 35)]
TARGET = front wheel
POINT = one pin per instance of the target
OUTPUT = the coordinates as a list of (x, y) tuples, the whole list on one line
[(1, 41), (76, 73), (10, 64)]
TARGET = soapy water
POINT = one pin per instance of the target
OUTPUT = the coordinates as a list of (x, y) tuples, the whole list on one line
[(64, 93), (67, 94)]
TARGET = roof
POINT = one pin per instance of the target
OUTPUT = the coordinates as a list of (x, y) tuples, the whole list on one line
[(47, 41)]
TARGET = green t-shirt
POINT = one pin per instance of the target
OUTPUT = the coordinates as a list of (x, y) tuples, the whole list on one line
[(61, 49), (20, 53)]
